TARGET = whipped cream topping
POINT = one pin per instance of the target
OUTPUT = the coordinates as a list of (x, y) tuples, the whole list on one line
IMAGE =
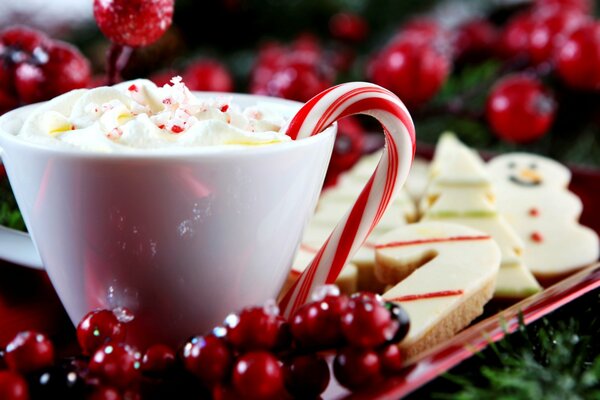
[(139, 115)]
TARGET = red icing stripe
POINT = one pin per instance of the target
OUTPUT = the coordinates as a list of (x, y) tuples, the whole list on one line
[(433, 240), (430, 295)]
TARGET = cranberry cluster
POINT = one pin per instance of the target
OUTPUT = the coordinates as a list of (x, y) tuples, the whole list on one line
[(255, 354), (549, 38), (34, 68)]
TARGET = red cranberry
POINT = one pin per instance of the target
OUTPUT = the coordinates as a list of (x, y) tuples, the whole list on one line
[(519, 109), (105, 393), (257, 375), (368, 323), (578, 60), (318, 324), (349, 143), (549, 31), (585, 6), (514, 39), (390, 359), (158, 359), (24, 39), (255, 328), (66, 69), (306, 376), (116, 364), (133, 22), (475, 39), (97, 328), (348, 27), (13, 386), (414, 70), (356, 368), (29, 351), (208, 358), (208, 75)]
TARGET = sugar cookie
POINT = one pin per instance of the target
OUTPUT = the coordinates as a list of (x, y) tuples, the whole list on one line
[(533, 195), (446, 274)]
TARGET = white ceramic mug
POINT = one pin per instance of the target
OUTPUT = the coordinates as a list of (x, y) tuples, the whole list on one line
[(178, 239)]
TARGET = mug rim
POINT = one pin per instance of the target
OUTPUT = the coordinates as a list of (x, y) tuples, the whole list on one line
[(214, 151)]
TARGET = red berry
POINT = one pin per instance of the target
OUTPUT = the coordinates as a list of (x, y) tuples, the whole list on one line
[(306, 376), (66, 69), (578, 60), (349, 144), (116, 364), (318, 324), (421, 30), (105, 393), (390, 359), (97, 328), (158, 359), (208, 75), (24, 39), (29, 79), (356, 368), (254, 329), (514, 39), (586, 6), (519, 109), (475, 39), (297, 81), (348, 27), (368, 323), (29, 351), (208, 358), (162, 78), (257, 375), (133, 22), (550, 30), (414, 70), (13, 386)]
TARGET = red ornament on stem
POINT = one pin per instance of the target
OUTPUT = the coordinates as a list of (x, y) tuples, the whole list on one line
[(128, 24)]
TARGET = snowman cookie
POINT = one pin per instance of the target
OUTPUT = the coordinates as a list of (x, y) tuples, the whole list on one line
[(532, 193)]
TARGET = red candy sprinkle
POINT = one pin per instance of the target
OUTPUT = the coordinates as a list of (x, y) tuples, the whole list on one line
[(537, 237)]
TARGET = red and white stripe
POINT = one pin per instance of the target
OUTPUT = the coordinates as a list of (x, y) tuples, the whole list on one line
[(317, 114)]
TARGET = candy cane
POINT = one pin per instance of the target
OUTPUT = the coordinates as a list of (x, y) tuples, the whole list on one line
[(389, 176)]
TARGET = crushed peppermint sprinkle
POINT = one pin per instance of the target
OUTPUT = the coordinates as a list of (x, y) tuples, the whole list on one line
[(176, 129), (132, 88)]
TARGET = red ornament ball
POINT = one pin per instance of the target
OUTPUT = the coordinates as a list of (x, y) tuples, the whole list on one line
[(520, 109), (578, 59), (133, 22), (348, 27)]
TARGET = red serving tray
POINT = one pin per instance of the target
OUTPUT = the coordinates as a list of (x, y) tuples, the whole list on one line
[(28, 301)]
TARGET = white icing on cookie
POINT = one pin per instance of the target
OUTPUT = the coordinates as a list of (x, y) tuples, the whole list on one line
[(446, 273), (532, 194)]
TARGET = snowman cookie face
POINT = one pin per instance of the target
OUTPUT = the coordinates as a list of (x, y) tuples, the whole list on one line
[(529, 171)]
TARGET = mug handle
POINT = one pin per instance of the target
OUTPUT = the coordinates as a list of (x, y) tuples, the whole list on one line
[(17, 247), (389, 176)]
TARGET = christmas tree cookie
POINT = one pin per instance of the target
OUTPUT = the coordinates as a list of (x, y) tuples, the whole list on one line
[(461, 192)]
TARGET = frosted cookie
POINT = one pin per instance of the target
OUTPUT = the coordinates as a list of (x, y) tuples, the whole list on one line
[(461, 192), (443, 274), (417, 180), (532, 195)]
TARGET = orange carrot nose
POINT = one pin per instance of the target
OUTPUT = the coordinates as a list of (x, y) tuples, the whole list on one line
[(530, 175)]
